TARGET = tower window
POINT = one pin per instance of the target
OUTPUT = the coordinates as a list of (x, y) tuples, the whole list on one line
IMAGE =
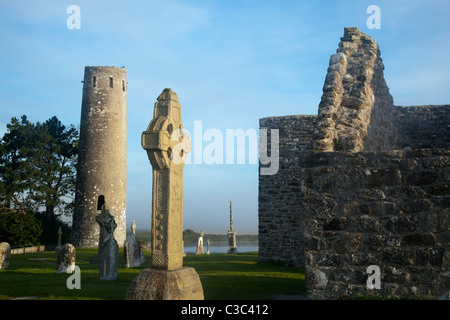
[(94, 81), (111, 82), (100, 202), (123, 85)]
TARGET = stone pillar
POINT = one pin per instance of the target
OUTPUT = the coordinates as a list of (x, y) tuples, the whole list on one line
[(232, 248), (166, 144)]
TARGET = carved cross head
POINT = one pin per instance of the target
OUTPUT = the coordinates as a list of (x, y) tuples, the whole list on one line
[(165, 139), (106, 221)]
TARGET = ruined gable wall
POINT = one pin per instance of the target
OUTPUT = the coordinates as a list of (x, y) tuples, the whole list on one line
[(356, 109), (339, 212)]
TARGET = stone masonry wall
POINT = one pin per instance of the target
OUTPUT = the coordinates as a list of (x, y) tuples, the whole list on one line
[(280, 232), (388, 209), (362, 183), (423, 126)]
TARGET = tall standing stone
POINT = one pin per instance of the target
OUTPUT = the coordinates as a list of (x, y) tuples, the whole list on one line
[(166, 144), (5, 255), (102, 157), (200, 247), (232, 247), (108, 250), (134, 256)]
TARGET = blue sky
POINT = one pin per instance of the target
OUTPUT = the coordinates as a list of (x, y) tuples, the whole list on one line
[(230, 62)]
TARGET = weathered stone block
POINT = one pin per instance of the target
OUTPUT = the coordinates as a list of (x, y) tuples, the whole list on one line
[(419, 239), (441, 189), (416, 205), (348, 243), (421, 178), (319, 207), (370, 194), (315, 279), (5, 255), (348, 208), (363, 259), (443, 238), (382, 240), (430, 256), (335, 224), (364, 223), (401, 256), (376, 178), (396, 275), (156, 284), (313, 243), (401, 224)]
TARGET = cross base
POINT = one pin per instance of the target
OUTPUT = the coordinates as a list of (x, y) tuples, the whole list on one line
[(156, 284)]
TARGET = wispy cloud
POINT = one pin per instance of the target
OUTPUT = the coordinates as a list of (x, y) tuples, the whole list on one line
[(230, 62)]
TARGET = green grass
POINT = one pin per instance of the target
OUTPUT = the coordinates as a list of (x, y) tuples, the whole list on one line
[(223, 277)]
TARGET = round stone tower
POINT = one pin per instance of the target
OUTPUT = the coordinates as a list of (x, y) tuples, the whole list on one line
[(102, 162)]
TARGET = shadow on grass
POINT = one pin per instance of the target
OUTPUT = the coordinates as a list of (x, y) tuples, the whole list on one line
[(223, 277), (241, 276)]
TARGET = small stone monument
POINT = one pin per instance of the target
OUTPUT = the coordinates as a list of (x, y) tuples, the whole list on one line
[(108, 250), (166, 144), (58, 246), (65, 256), (5, 255), (232, 248), (207, 246), (200, 248), (134, 256)]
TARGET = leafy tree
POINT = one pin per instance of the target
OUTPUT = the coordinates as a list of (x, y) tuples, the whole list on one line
[(38, 167), (19, 229), (54, 166), (15, 171)]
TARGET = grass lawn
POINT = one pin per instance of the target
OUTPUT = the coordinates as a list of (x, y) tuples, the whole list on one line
[(223, 277)]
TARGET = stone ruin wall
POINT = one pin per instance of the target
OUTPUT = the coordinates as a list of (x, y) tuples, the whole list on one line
[(280, 235), (385, 204), (356, 110), (390, 209)]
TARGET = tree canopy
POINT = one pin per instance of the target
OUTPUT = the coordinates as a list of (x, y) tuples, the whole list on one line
[(38, 166)]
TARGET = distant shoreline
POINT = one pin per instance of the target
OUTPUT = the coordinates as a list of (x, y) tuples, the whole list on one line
[(190, 238)]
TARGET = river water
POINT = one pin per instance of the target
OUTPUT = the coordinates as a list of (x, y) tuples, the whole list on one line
[(223, 249)]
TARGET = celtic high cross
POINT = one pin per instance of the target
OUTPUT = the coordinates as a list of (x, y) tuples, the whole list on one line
[(167, 144)]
